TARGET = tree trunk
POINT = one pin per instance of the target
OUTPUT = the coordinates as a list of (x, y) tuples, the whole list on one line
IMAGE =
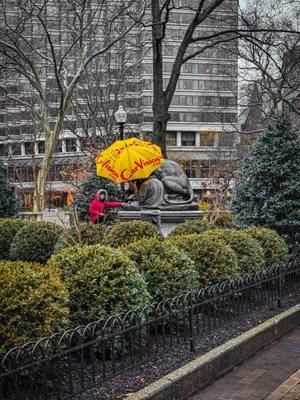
[(160, 133), (51, 139), (40, 184), (41, 179), (160, 113)]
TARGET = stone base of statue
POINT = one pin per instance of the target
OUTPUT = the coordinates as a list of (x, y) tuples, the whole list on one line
[(134, 206), (169, 219)]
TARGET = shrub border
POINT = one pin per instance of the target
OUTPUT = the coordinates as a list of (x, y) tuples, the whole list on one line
[(196, 375)]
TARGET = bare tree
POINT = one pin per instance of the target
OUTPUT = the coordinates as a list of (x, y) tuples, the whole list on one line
[(50, 44), (98, 95), (270, 61), (223, 31)]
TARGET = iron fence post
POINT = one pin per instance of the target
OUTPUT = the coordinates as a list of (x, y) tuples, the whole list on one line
[(191, 323), (279, 288)]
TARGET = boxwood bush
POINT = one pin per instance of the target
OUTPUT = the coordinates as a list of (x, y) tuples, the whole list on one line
[(82, 233), (167, 271), (8, 229), (214, 260), (33, 303), (274, 247), (130, 231), (101, 282), (249, 252), (191, 226), (35, 241)]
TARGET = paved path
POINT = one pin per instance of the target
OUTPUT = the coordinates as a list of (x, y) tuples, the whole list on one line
[(273, 374)]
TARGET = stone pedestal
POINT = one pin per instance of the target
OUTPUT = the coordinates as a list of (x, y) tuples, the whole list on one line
[(169, 219), (134, 207)]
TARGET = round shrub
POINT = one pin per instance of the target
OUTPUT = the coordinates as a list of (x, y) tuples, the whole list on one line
[(8, 229), (273, 245), (191, 227), (167, 271), (214, 260), (82, 233), (35, 242), (248, 250), (101, 282), (130, 231), (33, 303)]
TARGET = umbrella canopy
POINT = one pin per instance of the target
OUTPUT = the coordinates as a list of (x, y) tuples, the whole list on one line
[(129, 159)]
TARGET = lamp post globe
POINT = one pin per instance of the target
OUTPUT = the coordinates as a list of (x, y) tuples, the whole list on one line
[(121, 117)]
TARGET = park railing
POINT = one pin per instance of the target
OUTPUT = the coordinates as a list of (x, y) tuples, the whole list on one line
[(66, 364)]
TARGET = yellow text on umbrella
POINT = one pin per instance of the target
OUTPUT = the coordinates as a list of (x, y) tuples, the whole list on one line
[(128, 160)]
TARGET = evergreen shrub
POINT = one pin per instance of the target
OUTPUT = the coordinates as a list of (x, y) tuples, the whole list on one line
[(249, 252), (273, 245), (127, 232), (214, 260), (192, 226), (33, 303), (167, 271), (8, 229), (101, 281), (35, 241), (268, 186)]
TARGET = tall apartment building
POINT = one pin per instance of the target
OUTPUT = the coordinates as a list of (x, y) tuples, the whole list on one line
[(203, 113)]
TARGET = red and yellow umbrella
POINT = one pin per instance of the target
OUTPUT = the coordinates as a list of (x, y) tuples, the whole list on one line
[(129, 159)]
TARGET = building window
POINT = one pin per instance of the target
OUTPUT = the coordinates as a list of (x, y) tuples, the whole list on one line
[(16, 149), (28, 200), (55, 173), (58, 148), (3, 151), (188, 139), (28, 148), (71, 145), (41, 147), (226, 139), (207, 139), (196, 168), (147, 84), (171, 138), (203, 169)]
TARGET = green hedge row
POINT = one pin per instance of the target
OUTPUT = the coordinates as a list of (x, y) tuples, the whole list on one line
[(37, 241), (87, 272)]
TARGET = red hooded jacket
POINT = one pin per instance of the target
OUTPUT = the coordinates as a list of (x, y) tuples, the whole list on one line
[(98, 207)]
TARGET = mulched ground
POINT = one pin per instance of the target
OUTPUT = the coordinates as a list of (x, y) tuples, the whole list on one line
[(122, 386)]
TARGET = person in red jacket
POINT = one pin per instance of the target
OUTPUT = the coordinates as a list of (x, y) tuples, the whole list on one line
[(98, 205)]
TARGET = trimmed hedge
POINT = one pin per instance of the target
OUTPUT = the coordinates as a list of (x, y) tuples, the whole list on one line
[(8, 229), (33, 303), (214, 260), (82, 233), (101, 282), (35, 242), (127, 232), (249, 252), (274, 247), (167, 271), (191, 227)]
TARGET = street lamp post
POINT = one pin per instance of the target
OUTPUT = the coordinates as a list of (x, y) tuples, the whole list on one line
[(121, 117)]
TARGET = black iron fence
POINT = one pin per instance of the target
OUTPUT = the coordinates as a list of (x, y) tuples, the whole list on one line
[(69, 363)]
